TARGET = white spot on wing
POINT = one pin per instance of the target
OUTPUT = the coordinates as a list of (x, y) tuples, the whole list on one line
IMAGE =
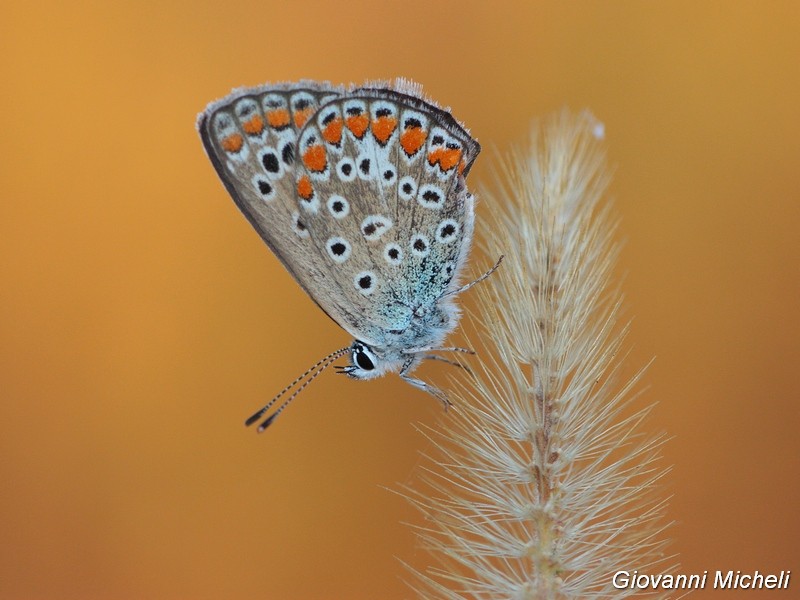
[(338, 206), (270, 162), (365, 282), (310, 206), (346, 169), (365, 167), (393, 254), (420, 245), (264, 187), (374, 226), (388, 173), (407, 188), (447, 231), (298, 226), (338, 249), (431, 196)]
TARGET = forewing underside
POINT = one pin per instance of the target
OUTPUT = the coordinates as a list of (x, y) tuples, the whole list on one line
[(251, 137)]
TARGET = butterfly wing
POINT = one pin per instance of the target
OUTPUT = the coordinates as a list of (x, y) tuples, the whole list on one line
[(251, 137), (384, 200), (360, 194)]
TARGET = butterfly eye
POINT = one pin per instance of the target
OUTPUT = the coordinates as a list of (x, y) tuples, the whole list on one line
[(362, 359)]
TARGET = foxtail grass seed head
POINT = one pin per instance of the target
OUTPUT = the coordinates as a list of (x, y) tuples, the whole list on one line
[(544, 480)]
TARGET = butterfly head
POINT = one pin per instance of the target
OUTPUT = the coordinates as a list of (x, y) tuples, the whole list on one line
[(367, 362)]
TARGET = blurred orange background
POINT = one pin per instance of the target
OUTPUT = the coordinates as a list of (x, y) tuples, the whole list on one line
[(142, 319)]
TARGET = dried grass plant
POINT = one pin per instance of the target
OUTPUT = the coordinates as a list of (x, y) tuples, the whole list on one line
[(543, 480)]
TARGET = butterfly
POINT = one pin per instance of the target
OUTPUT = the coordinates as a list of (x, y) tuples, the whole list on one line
[(360, 192)]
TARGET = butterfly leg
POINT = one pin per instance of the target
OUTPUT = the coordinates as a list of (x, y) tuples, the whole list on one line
[(448, 361), (438, 349), (464, 288), (421, 385)]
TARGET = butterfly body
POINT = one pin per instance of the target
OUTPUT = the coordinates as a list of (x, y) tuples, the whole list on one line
[(361, 193)]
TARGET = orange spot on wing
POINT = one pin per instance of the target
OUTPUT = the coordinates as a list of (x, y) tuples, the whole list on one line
[(412, 140), (232, 143), (301, 116), (254, 126), (304, 188), (315, 158), (358, 125), (446, 157), (278, 118), (461, 166), (333, 131), (383, 127)]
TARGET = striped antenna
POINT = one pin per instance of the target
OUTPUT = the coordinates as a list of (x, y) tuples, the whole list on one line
[(315, 370)]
